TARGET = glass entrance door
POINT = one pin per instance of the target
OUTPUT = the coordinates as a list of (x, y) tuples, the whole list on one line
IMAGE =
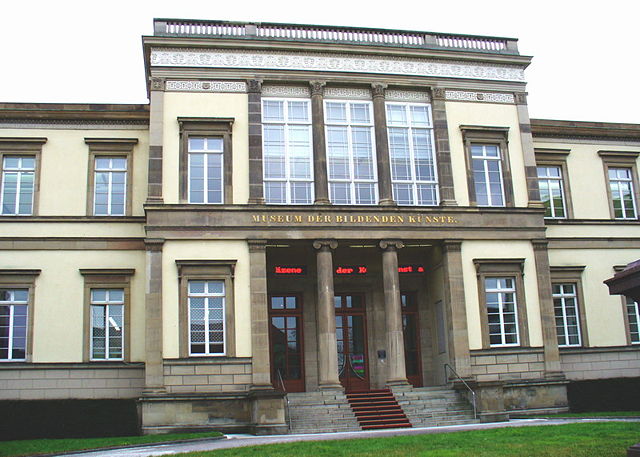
[(285, 337), (351, 336)]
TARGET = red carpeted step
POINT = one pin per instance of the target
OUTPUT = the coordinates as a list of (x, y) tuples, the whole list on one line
[(377, 410)]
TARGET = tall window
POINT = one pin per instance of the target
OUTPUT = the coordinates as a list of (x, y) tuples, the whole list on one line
[(287, 151), (351, 163), (107, 324), (18, 185), (622, 193), (487, 174), (411, 151), (633, 315), (13, 324), (206, 317), (110, 186), (552, 191), (502, 311), (565, 303), (205, 170)]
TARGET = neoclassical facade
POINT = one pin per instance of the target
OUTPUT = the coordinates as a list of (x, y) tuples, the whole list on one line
[(306, 210)]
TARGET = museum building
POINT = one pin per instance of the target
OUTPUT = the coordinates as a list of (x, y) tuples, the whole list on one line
[(306, 218)]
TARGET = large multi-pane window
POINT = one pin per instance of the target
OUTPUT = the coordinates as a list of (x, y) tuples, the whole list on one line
[(621, 185), (552, 191), (18, 184), (110, 186), (633, 315), (565, 304), (205, 183), (411, 151), (206, 303), (351, 163), (13, 324), (487, 174), (502, 311), (107, 324), (287, 151)]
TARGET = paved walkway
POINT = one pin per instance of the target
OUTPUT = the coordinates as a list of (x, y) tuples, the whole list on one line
[(232, 441)]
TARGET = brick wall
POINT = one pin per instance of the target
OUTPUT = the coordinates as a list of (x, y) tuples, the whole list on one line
[(207, 375), (600, 363), (507, 364)]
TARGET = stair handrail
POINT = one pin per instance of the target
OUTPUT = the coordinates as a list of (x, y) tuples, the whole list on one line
[(287, 415), (473, 394)]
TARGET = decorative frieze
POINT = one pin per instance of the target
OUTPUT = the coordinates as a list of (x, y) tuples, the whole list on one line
[(207, 86), (285, 91), (407, 96), (347, 92), (490, 97), (309, 61)]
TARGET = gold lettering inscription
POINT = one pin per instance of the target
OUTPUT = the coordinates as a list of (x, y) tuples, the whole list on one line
[(352, 219)]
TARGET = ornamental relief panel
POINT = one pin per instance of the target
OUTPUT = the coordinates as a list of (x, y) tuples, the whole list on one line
[(347, 92), (206, 86), (335, 63), (285, 91), (491, 97), (406, 96)]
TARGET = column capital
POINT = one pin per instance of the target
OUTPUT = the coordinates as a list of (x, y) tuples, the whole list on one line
[(256, 245), (388, 245), (157, 83), (540, 245), (438, 93), (254, 86), (317, 87), (377, 89), (325, 244), (154, 244), (452, 245), (521, 98)]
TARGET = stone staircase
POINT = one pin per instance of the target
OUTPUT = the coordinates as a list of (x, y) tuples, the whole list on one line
[(320, 412), (434, 406)]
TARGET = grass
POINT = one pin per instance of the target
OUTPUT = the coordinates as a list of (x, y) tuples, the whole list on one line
[(595, 414), (609, 439), (50, 446)]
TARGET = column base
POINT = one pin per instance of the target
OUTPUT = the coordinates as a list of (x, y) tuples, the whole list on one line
[(387, 202), (395, 383), (448, 203), (331, 387), (256, 201), (322, 201)]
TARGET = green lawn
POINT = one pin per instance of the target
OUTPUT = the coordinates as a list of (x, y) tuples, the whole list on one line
[(595, 414), (49, 446), (573, 440)]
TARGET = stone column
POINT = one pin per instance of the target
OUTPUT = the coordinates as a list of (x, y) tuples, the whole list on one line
[(458, 341), (526, 139), (156, 140), (552, 365), (256, 190), (321, 185), (396, 369), (260, 363), (154, 370), (382, 145), (327, 345), (443, 151)]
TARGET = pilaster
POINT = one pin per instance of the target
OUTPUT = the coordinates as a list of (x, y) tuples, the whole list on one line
[(156, 140), (321, 185), (154, 369), (526, 139), (382, 145), (256, 190), (261, 366), (443, 149)]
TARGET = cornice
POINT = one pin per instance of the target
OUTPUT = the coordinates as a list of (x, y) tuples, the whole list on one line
[(72, 112), (550, 128)]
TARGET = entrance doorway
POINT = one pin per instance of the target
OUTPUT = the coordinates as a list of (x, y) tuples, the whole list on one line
[(411, 334), (285, 336), (351, 336)]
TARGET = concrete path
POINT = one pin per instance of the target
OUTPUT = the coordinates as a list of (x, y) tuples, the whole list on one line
[(233, 441)]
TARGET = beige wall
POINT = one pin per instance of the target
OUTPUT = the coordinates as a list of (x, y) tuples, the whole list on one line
[(64, 168), (206, 105), (205, 250), (59, 299), (485, 114), (500, 250)]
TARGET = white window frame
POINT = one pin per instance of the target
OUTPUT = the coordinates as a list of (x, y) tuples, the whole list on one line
[(11, 304), (413, 181), (111, 171), (633, 309), (501, 312), (486, 183), (548, 180), (206, 152), (206, 295), (563, 297), (617, 192), (19, 172), (350, 125), (107, 305), (285, 123)]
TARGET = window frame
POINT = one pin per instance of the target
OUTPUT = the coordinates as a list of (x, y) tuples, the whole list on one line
[(557, 158), (207, 127), (116, 148), (206, 270), (349, 125), (22, 147), (502, 268), (22, 279), (107, 278), (625, 308), (287, 180), (572, 275), (621, 159), (413, 182), (475, 135)]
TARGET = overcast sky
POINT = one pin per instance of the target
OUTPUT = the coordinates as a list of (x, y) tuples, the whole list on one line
[(586, 62)]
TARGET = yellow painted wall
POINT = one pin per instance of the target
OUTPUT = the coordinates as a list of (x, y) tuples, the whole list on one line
[(500, 250), (64, 168), (81, 228), (205, 250), (59, 299), (495, 115), (206, 105), (604, 312)]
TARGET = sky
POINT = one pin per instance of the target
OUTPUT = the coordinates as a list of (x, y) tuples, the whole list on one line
[(586, 64)]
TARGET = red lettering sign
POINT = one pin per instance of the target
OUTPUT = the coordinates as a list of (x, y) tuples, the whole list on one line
[(411, 269), (289, 270), (351, 270)]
